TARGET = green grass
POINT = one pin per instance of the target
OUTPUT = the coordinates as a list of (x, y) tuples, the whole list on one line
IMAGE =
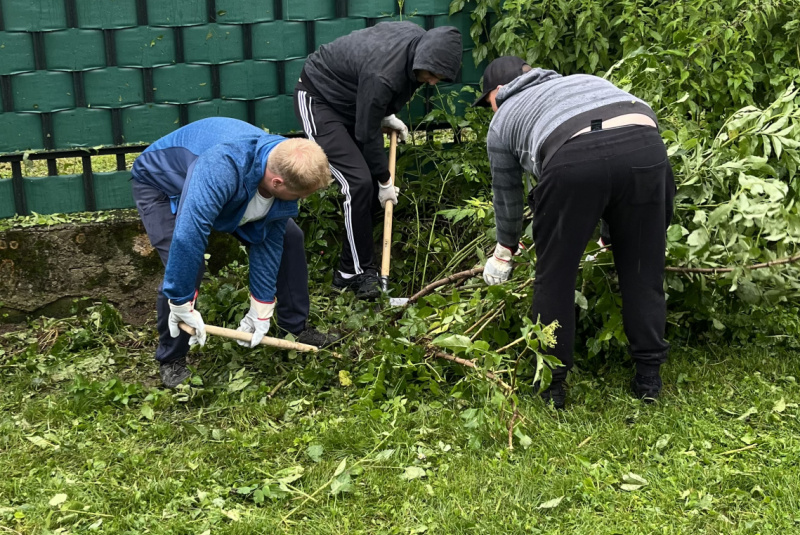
[(719, 452)]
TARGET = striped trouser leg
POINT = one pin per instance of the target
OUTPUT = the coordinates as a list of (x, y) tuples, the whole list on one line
[(329, 129)]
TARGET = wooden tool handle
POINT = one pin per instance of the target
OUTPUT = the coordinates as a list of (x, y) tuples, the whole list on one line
[(246, 337), (388, 209)]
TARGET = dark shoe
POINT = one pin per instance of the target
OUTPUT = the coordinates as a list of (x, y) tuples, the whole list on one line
[(366, 285), (174, 372), (557, 393), (313, 337), (646, 387)]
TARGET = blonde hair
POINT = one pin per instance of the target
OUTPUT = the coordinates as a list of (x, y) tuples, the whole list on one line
[(301, 164)]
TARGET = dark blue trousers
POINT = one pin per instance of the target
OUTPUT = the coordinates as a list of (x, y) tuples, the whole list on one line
[(292, 285)]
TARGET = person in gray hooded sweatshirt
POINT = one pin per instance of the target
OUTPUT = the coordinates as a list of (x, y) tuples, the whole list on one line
[(347, 96), (597, 153)]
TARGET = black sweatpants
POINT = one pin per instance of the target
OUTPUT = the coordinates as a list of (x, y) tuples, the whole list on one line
[(622, 175), (292, 305), (334, 133)]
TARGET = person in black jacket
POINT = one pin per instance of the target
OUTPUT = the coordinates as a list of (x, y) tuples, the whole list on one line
[(346, 97)]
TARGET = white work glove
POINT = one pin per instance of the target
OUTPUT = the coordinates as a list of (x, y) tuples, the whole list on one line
[(256, 321), (393, 123), (498, 268), (387, 193), (187, 314)]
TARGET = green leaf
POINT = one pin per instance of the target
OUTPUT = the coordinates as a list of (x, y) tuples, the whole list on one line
[(524, 440), (413, 472), (340, 468), (453, 341), (631, 482), (40, 442), (147, 412), (779, 406), (314, 452), (342, 483), (551, 504), (57, 500)]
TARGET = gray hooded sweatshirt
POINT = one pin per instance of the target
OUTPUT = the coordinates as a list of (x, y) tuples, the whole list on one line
[(369, 74), (532, 108)]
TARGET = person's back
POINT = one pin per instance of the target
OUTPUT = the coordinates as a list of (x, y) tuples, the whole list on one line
[(166, 163), (389, 52)]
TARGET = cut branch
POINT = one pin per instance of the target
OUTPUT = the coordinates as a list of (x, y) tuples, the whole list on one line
[(447, 280), (469, 364), (714, 271)]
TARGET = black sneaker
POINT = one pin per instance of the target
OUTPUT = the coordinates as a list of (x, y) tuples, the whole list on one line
[(646, 387), (366, 285), (174, 372), (557, 393), (313, 337)]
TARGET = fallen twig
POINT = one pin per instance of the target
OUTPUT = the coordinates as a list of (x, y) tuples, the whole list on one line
[(714, 271), (469, 364), (277, 387), (441, 282), (491, 318), (515, 342), (511, 428), (729, 452)]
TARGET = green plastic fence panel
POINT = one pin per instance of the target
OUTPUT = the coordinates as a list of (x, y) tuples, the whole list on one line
[(54, 194), (34, 15), (7, 208), (16, 53), (176, 12), (147, 123), (460, 20), (75, 50), (43, 91), (470, 73), (145, 46), (113, 87), (20, 131), (309, 9), (276, 115), (279, 40), (416, 19), (82, 127), (106, 14), (326, 31), (248, 80), (180, 84), (291, 74), (213, 43), (371, 8), (236, 109), (244, 11), (113, 190), (426, 7), (462, 101), (414, 111)]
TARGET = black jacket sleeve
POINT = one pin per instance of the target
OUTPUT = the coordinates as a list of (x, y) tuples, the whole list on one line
[(372, 100)]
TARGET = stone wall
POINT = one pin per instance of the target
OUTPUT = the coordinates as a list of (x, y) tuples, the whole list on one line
[(43, 270)]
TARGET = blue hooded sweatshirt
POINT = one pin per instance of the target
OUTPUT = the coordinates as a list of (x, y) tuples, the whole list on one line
[(210, 170)]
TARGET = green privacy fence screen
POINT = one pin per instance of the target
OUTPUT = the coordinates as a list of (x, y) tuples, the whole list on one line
[(76, 75)]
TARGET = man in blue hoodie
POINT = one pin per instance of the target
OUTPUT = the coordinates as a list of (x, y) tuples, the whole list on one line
[(349, 91), (227, 175), (597, 153)]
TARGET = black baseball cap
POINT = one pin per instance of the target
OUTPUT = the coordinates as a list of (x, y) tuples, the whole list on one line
[(499, 72)]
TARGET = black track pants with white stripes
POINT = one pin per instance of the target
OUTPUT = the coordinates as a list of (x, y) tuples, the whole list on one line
[(334, 133)]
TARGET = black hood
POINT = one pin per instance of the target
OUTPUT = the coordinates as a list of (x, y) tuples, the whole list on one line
[(439, 52)]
